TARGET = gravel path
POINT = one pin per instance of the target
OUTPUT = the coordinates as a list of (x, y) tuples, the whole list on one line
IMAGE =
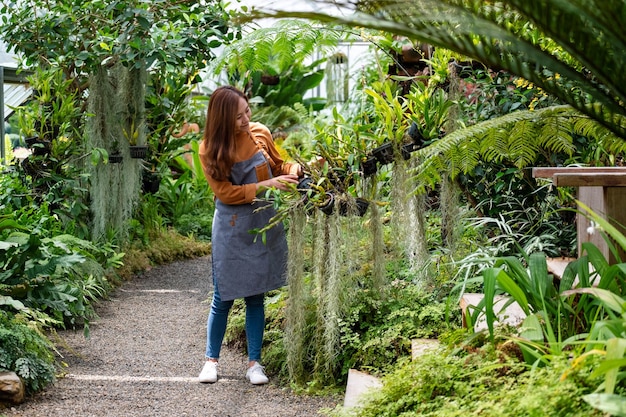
[(144, 355)]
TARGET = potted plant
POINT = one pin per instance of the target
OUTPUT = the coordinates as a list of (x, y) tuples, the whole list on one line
[(151, 181), (115, 157), (369, 166), (356, 206), (132, 134), (384, 153)]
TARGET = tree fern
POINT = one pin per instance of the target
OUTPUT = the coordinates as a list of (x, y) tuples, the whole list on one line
[(518, 137), (275, 47)]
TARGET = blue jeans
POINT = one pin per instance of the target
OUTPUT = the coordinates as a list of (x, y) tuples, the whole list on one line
[(218, 317)]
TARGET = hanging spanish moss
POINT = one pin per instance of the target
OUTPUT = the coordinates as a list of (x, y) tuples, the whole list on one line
[(114, 187), (449, 198), (408, 222), (320, 253), (378, 249), (450, 212), (295, 338), (331, 293)]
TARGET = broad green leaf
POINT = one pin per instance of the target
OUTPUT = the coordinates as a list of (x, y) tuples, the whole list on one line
[(615, 349), (10, 301), (489, 290), (608, 298), (512, 289), (6, 245)]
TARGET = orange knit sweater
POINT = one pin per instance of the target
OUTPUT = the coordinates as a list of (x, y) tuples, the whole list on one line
[(229, 193)]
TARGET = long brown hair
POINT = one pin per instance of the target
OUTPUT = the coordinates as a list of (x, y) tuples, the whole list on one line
[(220, 131)]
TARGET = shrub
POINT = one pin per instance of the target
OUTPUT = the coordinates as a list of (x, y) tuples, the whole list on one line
[(486, 382), (25, 351)]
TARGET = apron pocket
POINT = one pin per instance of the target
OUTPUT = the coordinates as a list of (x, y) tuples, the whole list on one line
[(262, 172)]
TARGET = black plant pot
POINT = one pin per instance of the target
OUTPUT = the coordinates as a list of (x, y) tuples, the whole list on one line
[(150, 183), (360, 207), (384, 153), (369, 166), (115, 158), (41, 147), (138, 152), (304, 188), (304, 185), (407, 148), (418, 139), (329, 204), (30, 141)]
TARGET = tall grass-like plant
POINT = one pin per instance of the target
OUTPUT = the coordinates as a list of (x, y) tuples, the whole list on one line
[(607, 336), (558, 314)]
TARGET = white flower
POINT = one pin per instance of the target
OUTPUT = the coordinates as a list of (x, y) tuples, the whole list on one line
[(592, 228), (21, 153)]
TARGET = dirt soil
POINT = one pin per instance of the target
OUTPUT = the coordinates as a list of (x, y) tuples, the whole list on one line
[(144, 355)]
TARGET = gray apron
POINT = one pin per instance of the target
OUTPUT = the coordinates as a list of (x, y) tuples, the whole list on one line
[(243, 264)]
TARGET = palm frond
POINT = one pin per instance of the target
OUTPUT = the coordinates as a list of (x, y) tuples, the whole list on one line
[(584, 72)]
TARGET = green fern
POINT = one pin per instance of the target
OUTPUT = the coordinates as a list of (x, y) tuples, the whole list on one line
[(274, 48), (519, 137)]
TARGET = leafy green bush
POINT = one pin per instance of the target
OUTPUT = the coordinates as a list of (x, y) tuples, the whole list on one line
[(378, 331), (197, 224), (376, 334), (26, 352), (486, 382), (183, 195), (60, 275)]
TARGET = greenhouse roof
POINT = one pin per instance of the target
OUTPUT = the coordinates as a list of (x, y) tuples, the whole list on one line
[(15, 87)]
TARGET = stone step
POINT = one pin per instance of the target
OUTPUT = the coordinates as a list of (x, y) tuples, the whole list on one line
[(358, 385), (421, 346), (556, 266), (512, 315)]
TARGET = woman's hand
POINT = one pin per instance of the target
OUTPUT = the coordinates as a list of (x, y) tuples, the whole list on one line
[(280, 183)]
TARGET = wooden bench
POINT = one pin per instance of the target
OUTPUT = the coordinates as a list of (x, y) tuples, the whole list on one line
[(603, 190)]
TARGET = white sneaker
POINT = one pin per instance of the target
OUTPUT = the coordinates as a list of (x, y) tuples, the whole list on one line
[(209, 372), (256, 375)]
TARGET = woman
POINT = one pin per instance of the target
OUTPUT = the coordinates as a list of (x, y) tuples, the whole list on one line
[(240, 162)]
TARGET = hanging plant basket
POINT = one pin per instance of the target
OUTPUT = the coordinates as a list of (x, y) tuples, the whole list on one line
[(40, 146), (37, 145), (407, 148), (115, 158), (360, 207), (416, 135), (369, 166), (30, 141), (138, 152), (151, 182), (384, 153), (329, 204)]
